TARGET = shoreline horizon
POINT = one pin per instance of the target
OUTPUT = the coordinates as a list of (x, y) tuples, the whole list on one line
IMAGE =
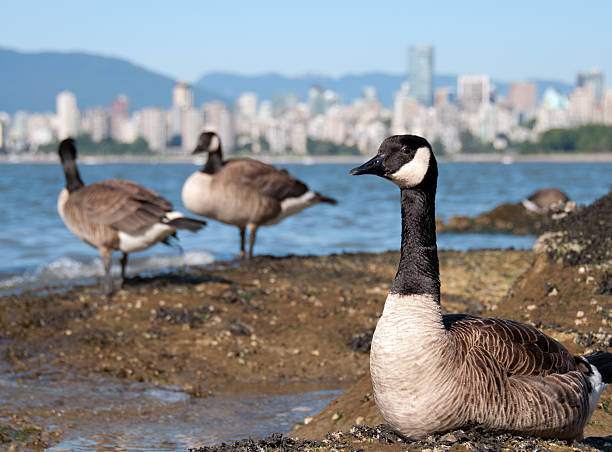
[(508, 158)]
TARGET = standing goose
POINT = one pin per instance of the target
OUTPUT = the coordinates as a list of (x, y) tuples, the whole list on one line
[(115, 214), (244, 192), (434, 373)]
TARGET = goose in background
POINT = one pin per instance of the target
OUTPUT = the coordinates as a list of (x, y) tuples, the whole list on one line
[(542, 200), (433, 372), (115, 214), (244, 192)]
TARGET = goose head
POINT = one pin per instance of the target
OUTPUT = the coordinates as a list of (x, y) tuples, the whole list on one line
[(67, 150), (406, 160), (208, 142)]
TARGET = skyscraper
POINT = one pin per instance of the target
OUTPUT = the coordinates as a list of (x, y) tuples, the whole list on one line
[(593, 82), (420, 73), (67, 115), (120, 118), (523, 96), (152, 127), (182, 95), (182, 101), (3, 140), (473, 90)]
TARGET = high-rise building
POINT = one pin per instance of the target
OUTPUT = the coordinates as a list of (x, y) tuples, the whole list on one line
[(152, 122), (247, 104), (182, 101), (41, 129), (182, 95), (421, 72), (119, 117), (3, 140), (607, 107), (473, 90), (191, 127), (218, 118), (316, 101), (98, 124), (523, 96), (593, 83), (68, 116), (120, 106)]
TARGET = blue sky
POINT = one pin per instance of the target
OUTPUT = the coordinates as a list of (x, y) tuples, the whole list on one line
[(185, 39)]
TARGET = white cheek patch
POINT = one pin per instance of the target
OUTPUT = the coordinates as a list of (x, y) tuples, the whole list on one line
[(214, 143), (413, 172)]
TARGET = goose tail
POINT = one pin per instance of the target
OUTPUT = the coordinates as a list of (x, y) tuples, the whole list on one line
[(321, 198), (190, 224), (603, 363)]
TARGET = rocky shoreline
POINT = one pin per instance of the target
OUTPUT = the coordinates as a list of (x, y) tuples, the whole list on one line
[(295, 320)]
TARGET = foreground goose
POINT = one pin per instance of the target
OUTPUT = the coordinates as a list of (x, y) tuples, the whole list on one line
[(433, 373), (115, 214), (244, 192)]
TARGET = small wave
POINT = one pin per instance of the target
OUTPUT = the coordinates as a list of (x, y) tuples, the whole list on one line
[(68, 269)]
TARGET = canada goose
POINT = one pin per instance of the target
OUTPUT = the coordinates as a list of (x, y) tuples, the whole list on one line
[(244, 192), (434, 373), (542, 200), (115, 214)]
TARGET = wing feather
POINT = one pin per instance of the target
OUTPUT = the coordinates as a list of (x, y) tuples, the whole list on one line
[(266, 179), (124, 205), (518, 349)]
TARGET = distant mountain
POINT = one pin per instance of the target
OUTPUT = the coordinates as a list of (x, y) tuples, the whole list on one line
[(30, 81), (349, 87)]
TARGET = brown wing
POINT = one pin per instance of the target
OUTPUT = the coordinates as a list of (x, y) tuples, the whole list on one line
[(518, 349), (124, 206), (515, 378), (266, 179), (139, 192)]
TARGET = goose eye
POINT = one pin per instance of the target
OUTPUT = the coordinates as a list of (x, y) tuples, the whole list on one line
[(406, 149)]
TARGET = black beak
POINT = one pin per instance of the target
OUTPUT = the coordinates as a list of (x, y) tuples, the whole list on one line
[(197, 150), (372, 166)]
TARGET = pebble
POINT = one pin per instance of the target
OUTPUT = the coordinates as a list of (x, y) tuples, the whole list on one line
[(307, 420), (449, 437), (359, 420), (531, 307), (580, 314)]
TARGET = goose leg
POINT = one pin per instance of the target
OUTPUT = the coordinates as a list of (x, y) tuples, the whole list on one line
[(242, 255), (106, 255), (124, 259), (252, 232)]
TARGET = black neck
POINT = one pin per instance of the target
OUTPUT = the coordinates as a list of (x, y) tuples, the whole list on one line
[(73, 178), (418, 271), (214, 162)]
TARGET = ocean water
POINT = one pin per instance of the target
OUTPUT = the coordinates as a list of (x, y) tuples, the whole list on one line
[(38, 250)]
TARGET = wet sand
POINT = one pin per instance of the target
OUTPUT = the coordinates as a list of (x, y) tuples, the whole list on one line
[(279, 321)]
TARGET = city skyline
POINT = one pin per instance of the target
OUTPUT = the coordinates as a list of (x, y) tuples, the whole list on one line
[(476, 117), (523, 40)]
